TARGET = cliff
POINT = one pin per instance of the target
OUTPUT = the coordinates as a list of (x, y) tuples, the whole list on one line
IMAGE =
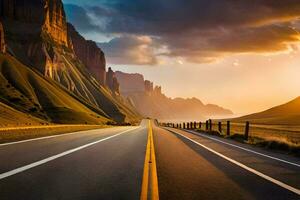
[(112, 82), (130, 82), (46, 17), (89, 53), (37, 37), (2, 39), (151, 102)]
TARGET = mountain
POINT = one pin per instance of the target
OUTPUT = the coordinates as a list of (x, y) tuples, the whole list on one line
[(151, 102), (286, 114), (48, 70)]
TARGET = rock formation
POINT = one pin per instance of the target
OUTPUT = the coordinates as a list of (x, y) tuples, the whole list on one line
[(2, 41), (116, 86), (157, 90), (151, 102), (36, 33), (148, 86), (130, 82), (89, 53), (48, 16), (112, 82), (37, 36), (55, 21)]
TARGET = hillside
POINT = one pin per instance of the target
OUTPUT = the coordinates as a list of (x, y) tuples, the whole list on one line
[(44, 69), (12, 117), (286, 114), (151, 102), (29, 92)]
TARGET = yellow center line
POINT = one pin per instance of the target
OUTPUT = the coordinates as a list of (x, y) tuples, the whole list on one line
[(150, 183)]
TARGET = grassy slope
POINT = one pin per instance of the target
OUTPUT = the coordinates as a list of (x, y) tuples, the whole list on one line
[(87, 88), (29, 92), (286, 114), (12, 117)]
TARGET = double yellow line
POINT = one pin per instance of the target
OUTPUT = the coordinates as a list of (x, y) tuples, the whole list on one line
[(150, 183)]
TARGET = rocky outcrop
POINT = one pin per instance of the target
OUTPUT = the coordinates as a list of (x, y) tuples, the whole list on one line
[(55, 23), (48, 16), (148, 86), (130, 82), (23, 10), (116, 86), (89, 53), (112, 82), (157, 90), (36, 31), (151, 102), (2, 40), (36, 35)]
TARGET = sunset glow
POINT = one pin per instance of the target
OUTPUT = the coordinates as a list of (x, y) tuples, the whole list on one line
[(247, 64)]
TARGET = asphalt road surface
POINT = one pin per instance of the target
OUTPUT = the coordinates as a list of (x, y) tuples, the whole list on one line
[(110, 164)]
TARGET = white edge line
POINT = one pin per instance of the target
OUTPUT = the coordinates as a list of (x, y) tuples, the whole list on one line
[(245, 149), (35, 164), (52, 136), (279, 183)]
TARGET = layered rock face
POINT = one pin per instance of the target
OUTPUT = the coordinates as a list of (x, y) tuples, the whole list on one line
[(148, 86), (36, 31), (130, 82), (112, 82), (2, 40), (36, 36), (47, 15), (23, 10), (90, 54), (55, 21), (151, 102)]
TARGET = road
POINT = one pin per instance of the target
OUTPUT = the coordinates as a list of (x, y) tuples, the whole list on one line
[(124, 162)]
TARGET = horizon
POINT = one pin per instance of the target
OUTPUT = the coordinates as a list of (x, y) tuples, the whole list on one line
[(243, 79), (160, 99)]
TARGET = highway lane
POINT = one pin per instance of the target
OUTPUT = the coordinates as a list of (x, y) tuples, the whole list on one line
[(110, 164), (189, 171), (27, 152), (109, 169)]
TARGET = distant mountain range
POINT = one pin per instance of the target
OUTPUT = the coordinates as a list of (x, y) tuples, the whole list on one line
[(286, 114), (151, 102), (50, 73)]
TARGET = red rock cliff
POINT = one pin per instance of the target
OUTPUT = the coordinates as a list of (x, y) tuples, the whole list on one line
[(130, 82), (112, 81), (55, 21), (90, 54), (48, 16), (2, 41)]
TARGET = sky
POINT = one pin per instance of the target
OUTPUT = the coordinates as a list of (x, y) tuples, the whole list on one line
[(239, 54)]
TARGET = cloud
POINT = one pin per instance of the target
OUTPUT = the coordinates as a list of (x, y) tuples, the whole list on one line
[(136, 50), (196, 30), (78, 16)]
